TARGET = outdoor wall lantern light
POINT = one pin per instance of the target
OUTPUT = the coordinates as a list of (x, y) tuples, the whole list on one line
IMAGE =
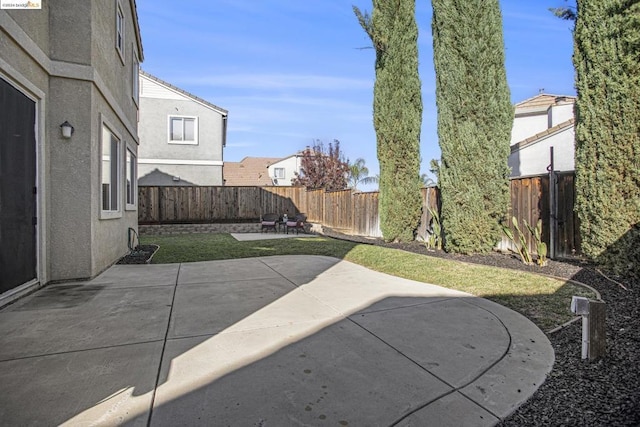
[(67, 130)]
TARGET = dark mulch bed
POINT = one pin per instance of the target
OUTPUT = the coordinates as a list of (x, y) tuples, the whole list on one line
[(576, 392), (142, 254)]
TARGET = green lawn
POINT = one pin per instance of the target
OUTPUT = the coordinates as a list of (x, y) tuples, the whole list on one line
[(543, 300)]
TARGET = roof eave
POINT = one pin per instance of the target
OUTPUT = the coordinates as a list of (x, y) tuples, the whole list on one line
[(183, 92), (136, 25), (542, 135)]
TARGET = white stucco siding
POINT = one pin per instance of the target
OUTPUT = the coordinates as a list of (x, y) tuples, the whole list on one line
[(527, 126), (560, 114), (290, 165), (151, 89), (534, 158)]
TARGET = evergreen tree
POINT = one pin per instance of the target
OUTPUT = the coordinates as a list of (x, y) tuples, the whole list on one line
[(397, 114), (607, 62), (475, 117)]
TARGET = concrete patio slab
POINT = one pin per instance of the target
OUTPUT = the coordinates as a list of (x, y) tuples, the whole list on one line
[(223, 271), (300, 269), (475, 338), (451, 410), (511, 381), (52, 389), (48, 322), (330, 377), (349, 288), (209, 308), (122, 275), (291, 340)]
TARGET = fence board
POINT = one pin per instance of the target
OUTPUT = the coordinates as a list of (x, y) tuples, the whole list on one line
[(568, 223), (430, 200), (365, 214), (148, 205)]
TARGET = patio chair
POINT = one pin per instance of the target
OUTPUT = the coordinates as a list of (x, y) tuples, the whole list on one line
[(297, 223), (269, 222)]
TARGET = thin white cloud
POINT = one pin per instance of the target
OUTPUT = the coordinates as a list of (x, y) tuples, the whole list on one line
[(242, 144), (277, 102), (280, 81)]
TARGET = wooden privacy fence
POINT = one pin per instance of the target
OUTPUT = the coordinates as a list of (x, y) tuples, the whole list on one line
[(357, 213), (349, 211), (533, 199), (430, 201), (180, 205)]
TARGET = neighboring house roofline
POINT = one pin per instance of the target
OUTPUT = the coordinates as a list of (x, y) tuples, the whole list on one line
[(183, 92), (542, 135), (136, 25), (269, 160), (550, 96), (541, 103), (531, 111), (251, 171), (298, 154)]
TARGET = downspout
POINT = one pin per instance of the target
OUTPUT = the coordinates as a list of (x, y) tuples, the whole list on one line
[(224, 131), (224, 143), (553, 206)]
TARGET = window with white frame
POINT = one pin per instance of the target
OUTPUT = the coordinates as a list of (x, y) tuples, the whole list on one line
[(110, 168), (278, 173), (120, 30), (135, 77), (183, 130), (131, 177)]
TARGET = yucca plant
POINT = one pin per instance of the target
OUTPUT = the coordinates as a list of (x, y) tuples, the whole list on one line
[(435, 235), (541, 247), (521, 245)]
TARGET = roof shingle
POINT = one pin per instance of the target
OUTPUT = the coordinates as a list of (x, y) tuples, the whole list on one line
[(250, 171), (545, 100)]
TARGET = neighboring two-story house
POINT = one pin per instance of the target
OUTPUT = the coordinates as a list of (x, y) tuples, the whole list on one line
[(282, 172), (262, 171), (68, 139), (181, 136), (250, 171), (540, 123)]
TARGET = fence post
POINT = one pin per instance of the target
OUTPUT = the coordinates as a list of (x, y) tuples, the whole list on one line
[(553, 206), (597, 330)]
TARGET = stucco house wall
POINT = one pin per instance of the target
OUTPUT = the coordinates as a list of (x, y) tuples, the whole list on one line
[(64, 58), (283, 172), (533, 159), (525, 126), (540, 123), (560, 113), (198, 161)]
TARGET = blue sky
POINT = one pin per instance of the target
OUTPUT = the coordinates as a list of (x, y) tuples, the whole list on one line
[(290, 71)]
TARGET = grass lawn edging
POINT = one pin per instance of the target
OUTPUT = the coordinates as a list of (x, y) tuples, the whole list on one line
[(544, 300)]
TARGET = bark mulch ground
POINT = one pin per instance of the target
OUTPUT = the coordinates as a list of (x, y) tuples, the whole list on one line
[(142, 254), (576, 392)]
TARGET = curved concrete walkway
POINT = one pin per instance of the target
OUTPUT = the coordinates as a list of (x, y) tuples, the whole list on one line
[(273, 341)]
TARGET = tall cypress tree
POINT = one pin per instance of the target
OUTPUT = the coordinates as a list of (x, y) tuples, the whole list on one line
[(607, 62), (397, 114), (475, 117)]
